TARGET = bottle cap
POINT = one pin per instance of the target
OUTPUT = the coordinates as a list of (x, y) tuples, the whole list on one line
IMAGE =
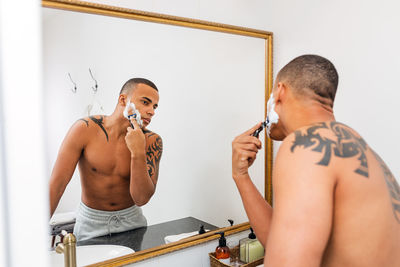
[(202, 231), (222, 239), (252, 235)]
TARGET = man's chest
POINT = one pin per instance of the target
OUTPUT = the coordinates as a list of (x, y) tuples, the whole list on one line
[(107, 158)]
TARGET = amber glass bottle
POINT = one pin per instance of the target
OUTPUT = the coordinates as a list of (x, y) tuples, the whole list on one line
[(222, 252)]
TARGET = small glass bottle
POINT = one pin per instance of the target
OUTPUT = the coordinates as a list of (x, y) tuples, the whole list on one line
[(222, 252)]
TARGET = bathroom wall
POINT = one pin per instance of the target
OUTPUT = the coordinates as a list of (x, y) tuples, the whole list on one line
[(362, 39), (3, 206), (21, 124)]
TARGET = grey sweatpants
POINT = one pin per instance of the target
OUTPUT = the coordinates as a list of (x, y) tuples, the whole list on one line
[(91, 223)]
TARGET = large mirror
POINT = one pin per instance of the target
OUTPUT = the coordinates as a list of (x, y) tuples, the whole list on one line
[(213, 82)]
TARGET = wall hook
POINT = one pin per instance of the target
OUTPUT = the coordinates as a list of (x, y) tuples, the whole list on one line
[(95, 82), (75, 88)]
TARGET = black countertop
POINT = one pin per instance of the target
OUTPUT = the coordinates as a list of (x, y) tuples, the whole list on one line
[(150, 236)]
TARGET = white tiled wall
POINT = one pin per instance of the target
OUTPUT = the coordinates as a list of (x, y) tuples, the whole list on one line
[(196, 256)]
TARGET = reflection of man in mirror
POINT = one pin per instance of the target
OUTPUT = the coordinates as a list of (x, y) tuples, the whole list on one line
[(118, 164), (336, 203)]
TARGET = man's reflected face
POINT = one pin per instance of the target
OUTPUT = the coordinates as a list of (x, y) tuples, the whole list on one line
[(146, 100)]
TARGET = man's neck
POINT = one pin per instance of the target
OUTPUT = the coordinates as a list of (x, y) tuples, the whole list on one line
[(308, 115), (117, 123)]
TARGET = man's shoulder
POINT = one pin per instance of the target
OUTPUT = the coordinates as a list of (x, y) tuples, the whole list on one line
[(150, 134), (310, 152), (90, 122), (87, 126), (320, 135)]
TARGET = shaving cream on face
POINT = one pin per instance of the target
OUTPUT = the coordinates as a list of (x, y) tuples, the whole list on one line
[(136, 113), (272, 116)]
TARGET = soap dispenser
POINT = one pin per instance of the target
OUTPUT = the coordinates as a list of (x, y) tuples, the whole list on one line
[(201, 231), (222, 252), (250, 249)]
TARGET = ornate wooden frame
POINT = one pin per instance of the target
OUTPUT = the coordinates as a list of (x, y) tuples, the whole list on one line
[(105, 10)]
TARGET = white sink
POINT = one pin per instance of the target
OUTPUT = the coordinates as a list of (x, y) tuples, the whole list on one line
[(86, 255)]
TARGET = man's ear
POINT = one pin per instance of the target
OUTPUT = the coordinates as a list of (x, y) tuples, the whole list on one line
[(280, 92), (122, 99)]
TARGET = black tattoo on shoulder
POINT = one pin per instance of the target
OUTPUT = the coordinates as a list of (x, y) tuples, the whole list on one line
[(347, 144), (87, 122), (392, 186), (99, 122), (153, 156), (145, 131)]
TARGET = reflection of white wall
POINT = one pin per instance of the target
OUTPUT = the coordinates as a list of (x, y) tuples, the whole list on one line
[(236, 12), (362, 38), (211, 89)]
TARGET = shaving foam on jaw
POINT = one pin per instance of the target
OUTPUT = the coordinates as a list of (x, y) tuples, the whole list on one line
[(135, 114), (272, 116)]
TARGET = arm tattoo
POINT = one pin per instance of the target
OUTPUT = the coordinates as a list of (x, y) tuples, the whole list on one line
[(153, 156), (392, 186), (347, 145), (87, 122), (100, 123)]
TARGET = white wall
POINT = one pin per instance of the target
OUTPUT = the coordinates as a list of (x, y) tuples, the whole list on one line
[(362, 39), (3, 195), (27, 206)]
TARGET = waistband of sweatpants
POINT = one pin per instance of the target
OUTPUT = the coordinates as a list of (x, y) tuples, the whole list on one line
[(94, 214)]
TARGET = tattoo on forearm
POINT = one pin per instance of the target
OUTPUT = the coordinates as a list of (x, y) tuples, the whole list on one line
[(87, 122), (347, 145), (99, 122), (392, 186), (153, 156)]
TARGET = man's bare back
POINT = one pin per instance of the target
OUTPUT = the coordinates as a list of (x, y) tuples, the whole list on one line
[(365, 227), (104, 164)]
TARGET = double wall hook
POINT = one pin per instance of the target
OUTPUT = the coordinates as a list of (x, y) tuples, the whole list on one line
[(94, 88), (75, 87)]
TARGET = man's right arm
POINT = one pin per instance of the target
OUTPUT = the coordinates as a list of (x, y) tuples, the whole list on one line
[(68, 156), (259, 212)]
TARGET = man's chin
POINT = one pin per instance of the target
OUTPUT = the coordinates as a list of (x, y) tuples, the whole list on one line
[(276, 135)]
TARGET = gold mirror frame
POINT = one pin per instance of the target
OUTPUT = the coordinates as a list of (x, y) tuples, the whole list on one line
[(112, 11)]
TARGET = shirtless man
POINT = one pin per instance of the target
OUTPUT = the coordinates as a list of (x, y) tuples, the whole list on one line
[(118, 165), (336, 203)]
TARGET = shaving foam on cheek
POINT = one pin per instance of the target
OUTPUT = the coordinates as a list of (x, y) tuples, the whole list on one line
[(272, 116), (135, 114)]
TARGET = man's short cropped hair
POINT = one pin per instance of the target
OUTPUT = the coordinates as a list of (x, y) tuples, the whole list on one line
[(131, 83), (311, 73)]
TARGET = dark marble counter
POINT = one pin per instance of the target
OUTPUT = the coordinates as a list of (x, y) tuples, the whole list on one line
[(150, 236)]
